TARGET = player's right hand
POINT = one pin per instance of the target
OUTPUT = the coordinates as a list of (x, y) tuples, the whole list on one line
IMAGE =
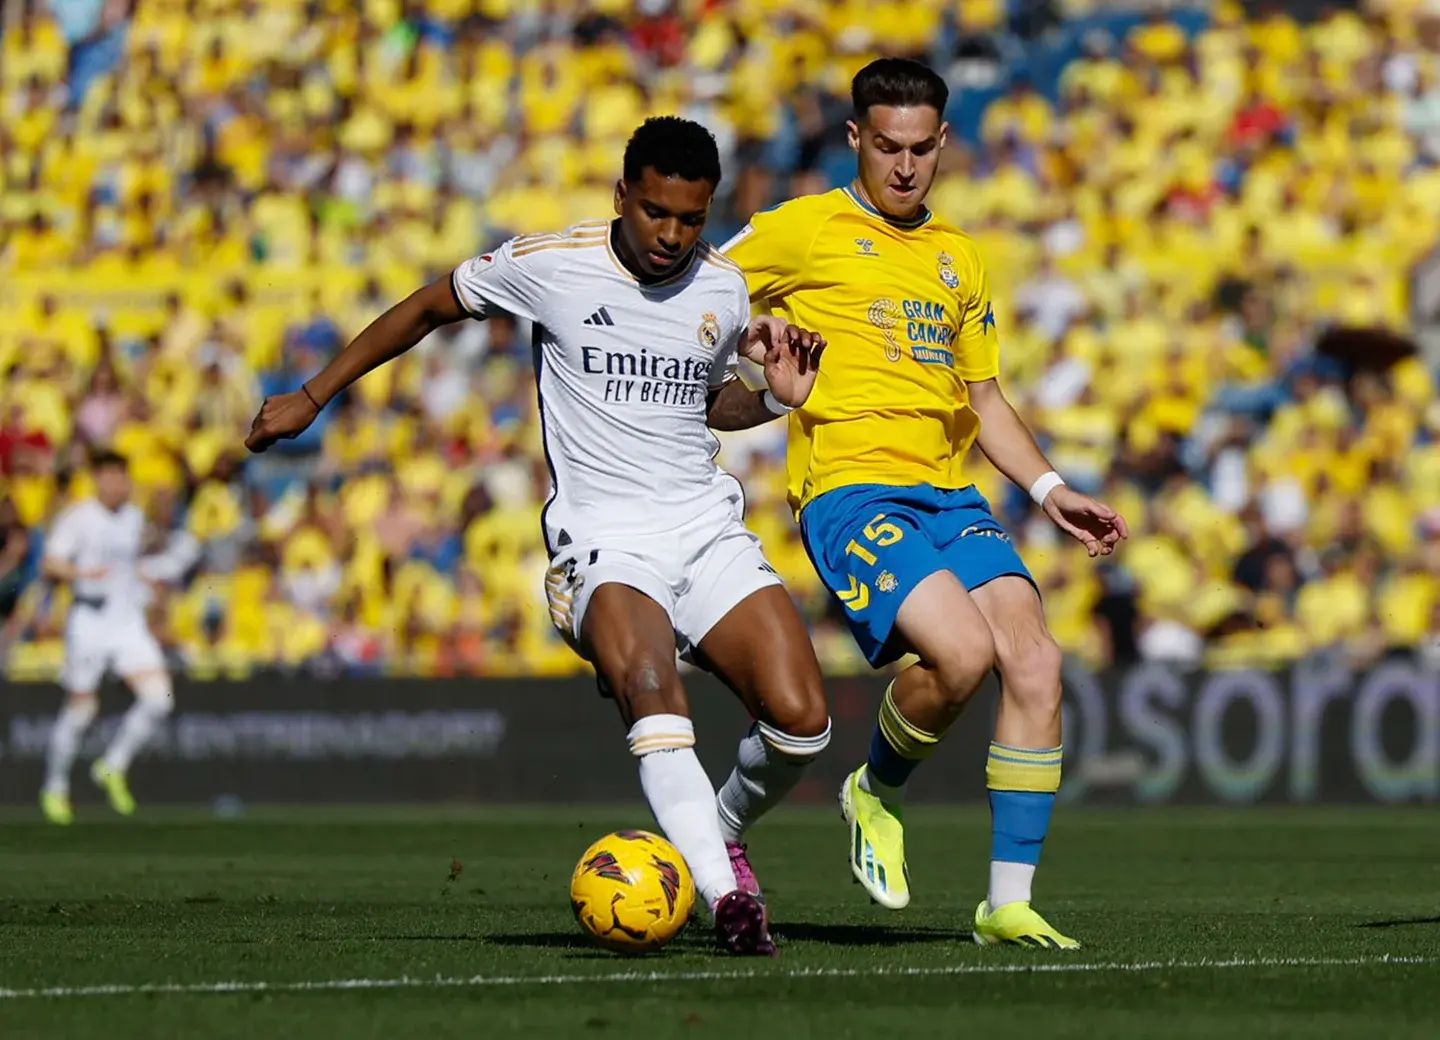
[(283, 417)]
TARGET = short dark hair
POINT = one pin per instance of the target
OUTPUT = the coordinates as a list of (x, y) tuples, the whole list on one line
[(673, 147), (108, 459), (900, 83)]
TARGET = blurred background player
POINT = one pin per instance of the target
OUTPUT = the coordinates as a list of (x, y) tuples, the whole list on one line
[(639, 327), (97, 548), (894, 525)]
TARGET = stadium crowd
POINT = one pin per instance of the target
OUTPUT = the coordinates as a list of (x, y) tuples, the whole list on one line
[(200, 200)]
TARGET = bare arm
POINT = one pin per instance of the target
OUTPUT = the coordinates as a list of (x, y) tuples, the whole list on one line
[(389, 336), (384, 339), (736, 407), (1008, 443), (1004, 438)]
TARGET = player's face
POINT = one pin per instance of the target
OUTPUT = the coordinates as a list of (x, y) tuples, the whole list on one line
[(660, 220), (112, 486), (899, 150)]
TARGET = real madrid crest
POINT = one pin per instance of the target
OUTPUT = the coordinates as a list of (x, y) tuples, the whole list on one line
[(709, 331), (946, 265)]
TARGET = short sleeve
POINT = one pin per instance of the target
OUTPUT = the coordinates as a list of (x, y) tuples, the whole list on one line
[(977, 353), (773, 250), (63, 542), (506, 279)]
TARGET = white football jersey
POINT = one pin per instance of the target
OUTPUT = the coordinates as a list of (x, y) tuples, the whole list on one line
[(90, 537), (623, 370)]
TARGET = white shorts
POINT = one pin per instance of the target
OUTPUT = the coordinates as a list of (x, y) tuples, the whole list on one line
[(96, 642), (698, 572)]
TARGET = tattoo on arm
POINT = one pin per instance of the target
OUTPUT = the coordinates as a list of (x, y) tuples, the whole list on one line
[(735, 406)]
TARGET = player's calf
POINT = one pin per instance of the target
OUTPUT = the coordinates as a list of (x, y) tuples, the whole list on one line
[(924, 701), (75, 718), (1023, 770), (769, 763)]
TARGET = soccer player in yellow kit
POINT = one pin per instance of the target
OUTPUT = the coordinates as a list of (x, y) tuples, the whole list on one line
[(877, 478)]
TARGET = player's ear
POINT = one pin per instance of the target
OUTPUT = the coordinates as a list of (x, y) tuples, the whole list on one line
[(944, 132), (852, 134), (620, 188)]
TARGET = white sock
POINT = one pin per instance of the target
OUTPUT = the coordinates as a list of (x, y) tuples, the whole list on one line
[(135, 731), (1010, 883), (884, 792), (683, 800), (768, 766), (65, 737)]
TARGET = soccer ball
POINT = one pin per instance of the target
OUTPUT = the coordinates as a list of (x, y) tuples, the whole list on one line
[(632, 892)]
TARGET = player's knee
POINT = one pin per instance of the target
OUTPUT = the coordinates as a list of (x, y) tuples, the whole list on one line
[(646, 685), (82, 706), (800, 710), (798, 725), (1030, 671), (967, 660), (156, 690)]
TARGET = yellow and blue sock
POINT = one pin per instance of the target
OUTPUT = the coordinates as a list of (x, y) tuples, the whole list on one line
[(897, 747), (1022, 783)]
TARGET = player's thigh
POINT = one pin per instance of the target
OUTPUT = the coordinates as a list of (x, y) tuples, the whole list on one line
[(941, 623), (761, 649), (872, 555), (614, 608), (136, 654), (1026, 653), (631, 641), (88, 650)]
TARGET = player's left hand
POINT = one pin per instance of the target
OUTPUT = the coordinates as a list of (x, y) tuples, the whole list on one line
[(789, 354), (282, 417), (1091, 523)]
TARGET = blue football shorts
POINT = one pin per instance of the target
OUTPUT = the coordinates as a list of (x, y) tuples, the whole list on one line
[(873, 543)]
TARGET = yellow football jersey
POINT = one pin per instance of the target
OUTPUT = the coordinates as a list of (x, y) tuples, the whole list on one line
[(905, 308)]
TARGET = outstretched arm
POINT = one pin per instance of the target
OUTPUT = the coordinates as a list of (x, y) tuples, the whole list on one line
[(1008, 443), (384, 339)]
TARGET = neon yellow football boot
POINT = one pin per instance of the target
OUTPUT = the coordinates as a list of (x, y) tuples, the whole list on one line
[(877, 844), (112, 782), (56, 807), (1015, 924)]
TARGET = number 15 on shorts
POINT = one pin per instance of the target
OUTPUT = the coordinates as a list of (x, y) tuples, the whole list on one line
[(878, 533)]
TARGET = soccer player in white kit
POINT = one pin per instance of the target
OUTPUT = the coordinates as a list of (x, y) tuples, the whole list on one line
[(638, 327), (97, 547)]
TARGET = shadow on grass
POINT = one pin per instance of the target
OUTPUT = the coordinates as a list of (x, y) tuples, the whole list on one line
[(1400, 922), (696, 937), (862, 934)]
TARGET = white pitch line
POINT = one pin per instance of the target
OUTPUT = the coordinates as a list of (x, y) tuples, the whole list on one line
[(482, 981)]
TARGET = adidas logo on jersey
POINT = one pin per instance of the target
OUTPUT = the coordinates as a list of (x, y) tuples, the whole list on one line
[(600, 317)]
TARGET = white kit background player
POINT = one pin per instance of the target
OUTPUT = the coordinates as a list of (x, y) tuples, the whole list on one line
[(97, 548), (638, 324)]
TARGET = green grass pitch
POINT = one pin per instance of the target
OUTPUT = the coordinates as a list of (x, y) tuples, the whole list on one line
[(343, 923)]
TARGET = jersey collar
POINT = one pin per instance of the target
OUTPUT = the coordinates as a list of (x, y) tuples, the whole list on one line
[(919, 220)]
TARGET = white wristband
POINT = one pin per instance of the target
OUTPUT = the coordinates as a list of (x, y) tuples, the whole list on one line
[(1044, 484), (775, 406)]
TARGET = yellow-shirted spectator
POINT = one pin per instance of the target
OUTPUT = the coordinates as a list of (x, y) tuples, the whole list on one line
[(1335, 607), (1023, 114), (1159, 39)]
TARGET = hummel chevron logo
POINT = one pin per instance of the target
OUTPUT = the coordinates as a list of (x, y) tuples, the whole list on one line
[(600, 317)]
